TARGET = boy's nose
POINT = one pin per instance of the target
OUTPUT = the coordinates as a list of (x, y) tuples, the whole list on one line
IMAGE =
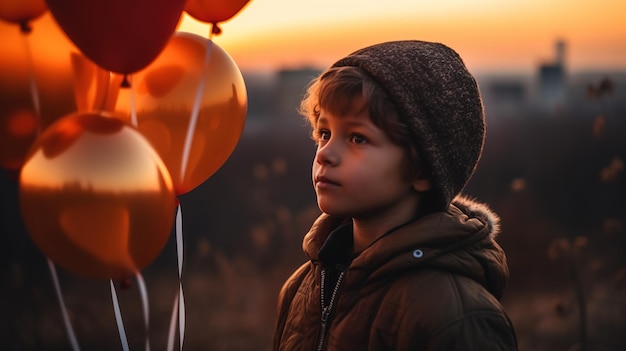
[(326, 155)]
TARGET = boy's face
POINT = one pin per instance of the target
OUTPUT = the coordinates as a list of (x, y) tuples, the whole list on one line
[(358, 172)]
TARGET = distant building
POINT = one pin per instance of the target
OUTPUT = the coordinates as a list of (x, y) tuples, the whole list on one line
[(508, 97), (504, 95), (290, 87), (552, 79), (508, 92)]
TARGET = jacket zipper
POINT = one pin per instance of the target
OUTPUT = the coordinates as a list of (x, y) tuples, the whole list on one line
[(326, 310)]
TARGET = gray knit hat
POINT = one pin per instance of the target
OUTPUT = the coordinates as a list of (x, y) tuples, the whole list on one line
[(438, 99)]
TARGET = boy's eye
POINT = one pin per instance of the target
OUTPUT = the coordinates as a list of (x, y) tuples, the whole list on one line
[(357, 139), (322, 134)]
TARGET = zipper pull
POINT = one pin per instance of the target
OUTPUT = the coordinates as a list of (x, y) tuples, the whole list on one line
[(325, 314)]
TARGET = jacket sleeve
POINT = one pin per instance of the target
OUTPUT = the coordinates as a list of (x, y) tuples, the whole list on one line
[(287, 292), (477, 331)]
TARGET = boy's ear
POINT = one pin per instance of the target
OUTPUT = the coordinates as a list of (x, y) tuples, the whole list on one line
[(421, 184)]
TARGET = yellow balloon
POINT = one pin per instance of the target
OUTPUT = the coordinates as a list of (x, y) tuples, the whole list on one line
[(95, 197)]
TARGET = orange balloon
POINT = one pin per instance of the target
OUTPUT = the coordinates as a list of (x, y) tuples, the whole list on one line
[(95, 89), (214, 11), (165, 96), (21, 11), (95, 197), (46, 62)]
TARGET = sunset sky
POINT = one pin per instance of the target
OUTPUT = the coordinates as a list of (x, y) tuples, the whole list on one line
[(490, 35)]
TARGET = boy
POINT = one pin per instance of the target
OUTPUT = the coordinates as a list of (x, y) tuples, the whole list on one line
[(398, 260)]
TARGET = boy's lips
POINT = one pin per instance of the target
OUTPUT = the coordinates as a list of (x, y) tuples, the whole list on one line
[(325, 181)]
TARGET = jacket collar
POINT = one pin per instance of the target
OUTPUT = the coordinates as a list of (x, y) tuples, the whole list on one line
[(459, 240)]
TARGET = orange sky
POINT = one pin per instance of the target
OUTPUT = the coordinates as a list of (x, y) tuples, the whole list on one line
[(489, 34)]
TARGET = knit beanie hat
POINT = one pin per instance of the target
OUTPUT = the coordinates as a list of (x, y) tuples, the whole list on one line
[(438, 99)]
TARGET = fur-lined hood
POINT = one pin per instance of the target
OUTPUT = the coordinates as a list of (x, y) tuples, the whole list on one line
[(460, 240)]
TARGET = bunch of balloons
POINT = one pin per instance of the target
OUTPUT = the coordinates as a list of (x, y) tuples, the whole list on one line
[(109, 113)]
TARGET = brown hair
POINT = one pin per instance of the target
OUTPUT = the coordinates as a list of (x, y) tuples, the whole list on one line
[(336, 89)]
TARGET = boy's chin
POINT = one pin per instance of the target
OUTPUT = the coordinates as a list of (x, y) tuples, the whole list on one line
[(334, 212)]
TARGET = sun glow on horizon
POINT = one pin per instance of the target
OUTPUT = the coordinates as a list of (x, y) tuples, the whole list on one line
[(489, 34)]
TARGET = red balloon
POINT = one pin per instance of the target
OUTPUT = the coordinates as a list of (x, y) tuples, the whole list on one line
[(165, 95), (95, 197), (214, 11), (119, 35), (21, 11)]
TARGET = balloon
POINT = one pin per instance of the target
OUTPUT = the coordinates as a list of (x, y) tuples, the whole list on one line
[(214, 11), (95, 196), (95, 89), (165, 94), (21, 11), (119, 35), (43, 77), (36, 62)]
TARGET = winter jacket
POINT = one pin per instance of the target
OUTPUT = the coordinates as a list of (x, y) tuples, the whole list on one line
[(431, 284)]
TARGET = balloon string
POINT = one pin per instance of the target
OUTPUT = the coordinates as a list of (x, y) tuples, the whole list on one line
[(118, 318), (66, 318), (179, 301), (133, 105), (196, 109), (34, 92), (181, 318), (172, 330), (144, 302)]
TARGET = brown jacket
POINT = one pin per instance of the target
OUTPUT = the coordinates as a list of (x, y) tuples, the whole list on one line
[(431, 284)]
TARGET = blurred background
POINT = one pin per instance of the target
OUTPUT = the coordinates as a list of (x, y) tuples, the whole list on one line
[(553, 78)]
